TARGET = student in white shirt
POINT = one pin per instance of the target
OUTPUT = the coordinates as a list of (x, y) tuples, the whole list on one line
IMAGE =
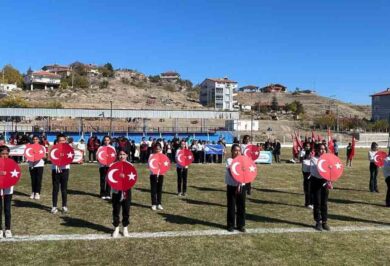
[(36, 173)]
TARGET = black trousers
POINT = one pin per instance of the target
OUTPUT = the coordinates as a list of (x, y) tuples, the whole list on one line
[(117, 204), (144, 156), (388, 191), (156, 184), (373, 177), (36, 174), (60, 179), (104, 186), (320, 199), (307, 188), (5, 202), (277, 158), (235, 200), (181, 179), (92, 155)]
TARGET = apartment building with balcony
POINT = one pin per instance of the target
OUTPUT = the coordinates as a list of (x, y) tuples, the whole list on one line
[(218, 93)]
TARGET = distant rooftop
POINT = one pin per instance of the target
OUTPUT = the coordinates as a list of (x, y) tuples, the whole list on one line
[(382, 93)]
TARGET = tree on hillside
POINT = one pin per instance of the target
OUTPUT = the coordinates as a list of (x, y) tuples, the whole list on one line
[(11, 75), (274, 104), (14, 102), (78, 68), (107, 70)]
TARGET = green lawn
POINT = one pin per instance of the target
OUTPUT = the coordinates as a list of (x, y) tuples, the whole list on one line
[(276, 202)]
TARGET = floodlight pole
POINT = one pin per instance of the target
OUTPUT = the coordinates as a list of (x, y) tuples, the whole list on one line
[(111, 118)]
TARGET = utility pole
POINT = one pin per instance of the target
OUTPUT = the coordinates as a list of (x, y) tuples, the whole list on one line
[(111, 118), (251, 126), (72, 76)]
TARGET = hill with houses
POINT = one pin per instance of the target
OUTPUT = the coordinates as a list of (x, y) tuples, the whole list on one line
[(90, 86)]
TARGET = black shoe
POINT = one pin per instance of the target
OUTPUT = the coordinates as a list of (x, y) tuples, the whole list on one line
[(318, 226), (325, 226), (230, 229), (242, 229), (376, 190)]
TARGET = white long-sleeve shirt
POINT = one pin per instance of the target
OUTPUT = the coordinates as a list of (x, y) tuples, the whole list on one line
[(371, 156)]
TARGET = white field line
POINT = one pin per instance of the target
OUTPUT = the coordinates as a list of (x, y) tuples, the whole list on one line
[(145, 235)]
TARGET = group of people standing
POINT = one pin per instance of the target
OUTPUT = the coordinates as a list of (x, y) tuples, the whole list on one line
[(316, 188)]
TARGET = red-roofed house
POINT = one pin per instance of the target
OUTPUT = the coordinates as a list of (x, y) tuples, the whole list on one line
[(42, 80), (381, 105), (170, 75), (274, 88), (63, 71), (218, 93)]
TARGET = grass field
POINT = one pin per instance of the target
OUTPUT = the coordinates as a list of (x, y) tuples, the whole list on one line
[(276, 202)]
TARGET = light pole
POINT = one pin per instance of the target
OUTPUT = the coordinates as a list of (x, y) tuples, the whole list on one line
[(110, 117)]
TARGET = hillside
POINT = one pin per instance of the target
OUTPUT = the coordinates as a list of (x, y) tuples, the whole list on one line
[(130, 89)]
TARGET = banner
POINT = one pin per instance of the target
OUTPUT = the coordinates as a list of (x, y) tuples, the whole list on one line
[(16, 150), (214, 149), (78, 156), (264, 157)]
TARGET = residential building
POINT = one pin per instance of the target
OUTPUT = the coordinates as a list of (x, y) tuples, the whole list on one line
[(249, 88), (170, 75), (42, 80), (274, 88), (218, 93), (7, 87), (63, 71), (381, 105)]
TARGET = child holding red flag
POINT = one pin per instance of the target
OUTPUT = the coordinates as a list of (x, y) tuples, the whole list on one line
[(319, 190), (156, 184), (60, 177), (245, 142), (182, 172), (5, 200), (103, 169), (121, 200), (36, 173), (236, 195)]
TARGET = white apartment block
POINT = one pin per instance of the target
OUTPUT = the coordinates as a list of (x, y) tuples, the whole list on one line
[(218, 93)]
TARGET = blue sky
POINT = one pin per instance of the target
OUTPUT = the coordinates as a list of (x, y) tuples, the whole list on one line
[(338, 47)]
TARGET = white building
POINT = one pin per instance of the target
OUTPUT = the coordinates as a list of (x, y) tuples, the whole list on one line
[(8, 87), (42, 79), (218, 93)]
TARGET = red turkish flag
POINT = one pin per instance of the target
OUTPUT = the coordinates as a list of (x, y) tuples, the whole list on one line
[(159, 163), (106, 155), (34, 152), (330, 142), (329, 166), (243, 169), (9, 173), (121, 176), (379, 158), (252, 151), (61, 154), (184, 157)]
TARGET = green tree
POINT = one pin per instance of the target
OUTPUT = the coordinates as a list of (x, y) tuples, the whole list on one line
[(107, 70), (78, 68), (11, 76), (274, 104)]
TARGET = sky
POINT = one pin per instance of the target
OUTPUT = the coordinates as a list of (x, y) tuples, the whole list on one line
[(340, 48)]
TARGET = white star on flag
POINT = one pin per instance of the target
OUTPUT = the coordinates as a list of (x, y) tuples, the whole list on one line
[(40, 152), (112, 154), (256, 153), (131, 176), (14, 173), (338, 165), (190, 157), (69, 155), (166, 163), (252, 168)]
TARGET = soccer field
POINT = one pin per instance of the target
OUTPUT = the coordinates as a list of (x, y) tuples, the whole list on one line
[(276, 202)]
